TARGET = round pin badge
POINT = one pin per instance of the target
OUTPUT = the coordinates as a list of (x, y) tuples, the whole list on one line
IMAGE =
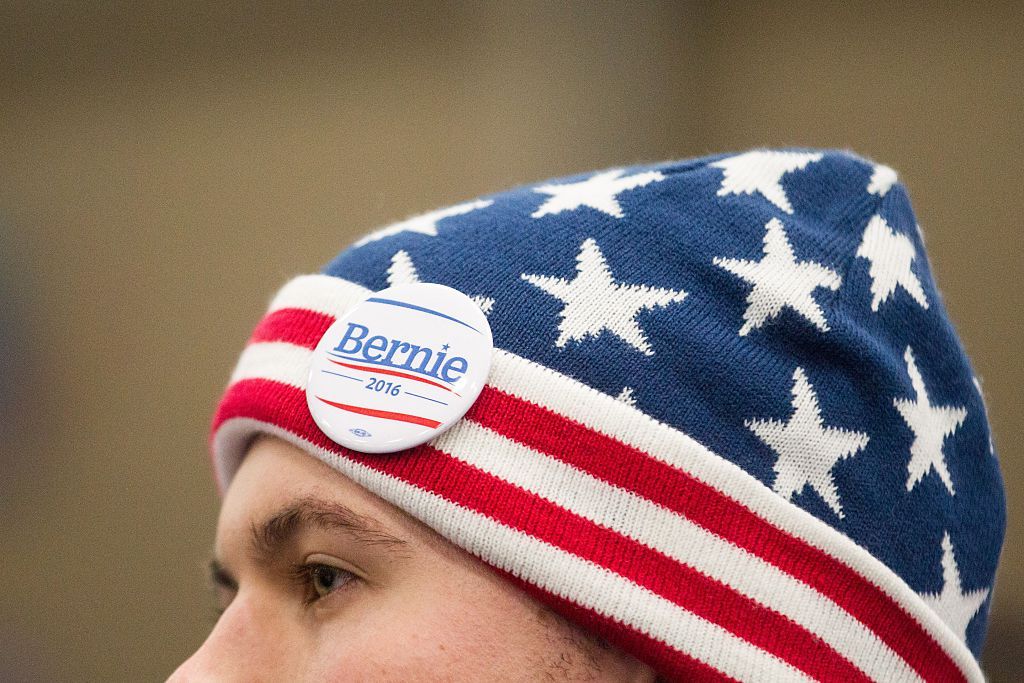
[(399, 368)]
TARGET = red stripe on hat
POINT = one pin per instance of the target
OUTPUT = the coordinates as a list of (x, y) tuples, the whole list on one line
[(697, 593), (434, 471), (297, 326), (634, 470), (617, 463), (262, 400)]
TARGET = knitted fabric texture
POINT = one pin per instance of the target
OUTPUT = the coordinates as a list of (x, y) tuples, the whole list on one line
[(728, 426)]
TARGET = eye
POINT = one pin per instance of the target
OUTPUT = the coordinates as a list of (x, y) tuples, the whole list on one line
[(320, 580), (224, 588), (326, 579)]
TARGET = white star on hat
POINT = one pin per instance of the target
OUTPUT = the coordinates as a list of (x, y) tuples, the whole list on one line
[(762, 171), (425, 224), (955, 607), (595, 302), (807, 449), (930, 424), (402, 271), (780, 281), (598, 192), (882, 179), (891, 256), (626, 396)]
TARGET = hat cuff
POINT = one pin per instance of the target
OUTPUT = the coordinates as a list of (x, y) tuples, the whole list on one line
[(624, 524)]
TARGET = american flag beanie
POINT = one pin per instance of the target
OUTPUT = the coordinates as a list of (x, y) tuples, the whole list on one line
[(728, 426)]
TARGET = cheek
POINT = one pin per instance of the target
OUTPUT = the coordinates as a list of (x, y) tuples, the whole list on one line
[(461, 632)]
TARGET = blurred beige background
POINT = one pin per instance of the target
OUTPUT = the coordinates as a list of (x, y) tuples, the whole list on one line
[(163, 169)]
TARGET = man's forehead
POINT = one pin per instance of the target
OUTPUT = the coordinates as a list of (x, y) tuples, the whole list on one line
[(276, 478), (275, 472)]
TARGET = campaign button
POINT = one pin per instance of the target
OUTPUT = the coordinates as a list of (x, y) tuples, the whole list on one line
[(399, 368)]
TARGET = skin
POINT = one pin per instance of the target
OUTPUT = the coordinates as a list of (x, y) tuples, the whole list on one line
[(320, 580)]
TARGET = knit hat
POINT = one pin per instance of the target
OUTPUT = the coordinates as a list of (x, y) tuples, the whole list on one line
[(727, 424)]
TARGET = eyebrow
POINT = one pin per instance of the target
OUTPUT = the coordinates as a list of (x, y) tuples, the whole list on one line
[(269, 537)]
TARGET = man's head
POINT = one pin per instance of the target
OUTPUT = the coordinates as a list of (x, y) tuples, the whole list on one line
[(320, 580), (727, 428)]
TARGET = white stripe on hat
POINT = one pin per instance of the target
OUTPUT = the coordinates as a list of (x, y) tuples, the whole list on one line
[(672, 534), (604, 414), (319, 293), (601, 413), (554, 570), (278, 361)]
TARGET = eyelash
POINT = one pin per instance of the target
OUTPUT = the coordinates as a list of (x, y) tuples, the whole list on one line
[(305, 576), (220, 582)]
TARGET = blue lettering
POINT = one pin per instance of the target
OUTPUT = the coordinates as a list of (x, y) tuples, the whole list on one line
[(379, 350), (437, 363), (350, 336), (377, 343), (395, 343), (415, 351), (457, 365)]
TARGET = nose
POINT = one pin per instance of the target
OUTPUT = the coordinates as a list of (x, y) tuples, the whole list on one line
[(241, 647)]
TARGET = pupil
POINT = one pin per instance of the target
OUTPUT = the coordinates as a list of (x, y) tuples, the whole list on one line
[(323, 578)]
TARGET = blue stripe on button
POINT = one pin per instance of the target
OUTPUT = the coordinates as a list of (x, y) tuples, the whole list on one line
[(338, 374), (392, 302), (426, 398)]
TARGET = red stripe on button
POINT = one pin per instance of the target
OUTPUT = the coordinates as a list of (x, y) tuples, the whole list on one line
[(382, 371), (384, 414)]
